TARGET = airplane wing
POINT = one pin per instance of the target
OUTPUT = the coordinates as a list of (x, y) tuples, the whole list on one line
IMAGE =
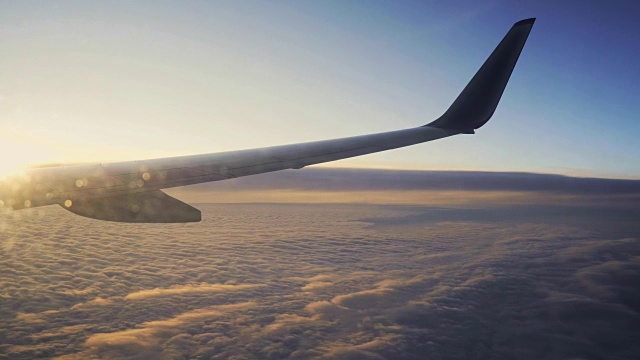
[(132, 191)]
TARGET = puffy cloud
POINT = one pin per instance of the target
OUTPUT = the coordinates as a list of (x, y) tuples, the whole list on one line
[(187, 289), (153, 339), (35, 317), (316, 285)]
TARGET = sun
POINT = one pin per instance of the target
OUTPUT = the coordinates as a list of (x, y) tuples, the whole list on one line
[(16, 155)]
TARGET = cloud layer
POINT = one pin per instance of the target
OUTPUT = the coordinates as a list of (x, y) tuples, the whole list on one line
[(325, 281)]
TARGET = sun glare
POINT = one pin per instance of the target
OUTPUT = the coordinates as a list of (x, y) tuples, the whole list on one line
[(17, 155)]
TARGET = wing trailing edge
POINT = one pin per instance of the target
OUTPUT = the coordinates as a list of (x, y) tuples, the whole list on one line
[(146, 207)]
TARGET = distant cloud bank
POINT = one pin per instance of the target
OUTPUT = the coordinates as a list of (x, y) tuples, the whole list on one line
[(329, 185)]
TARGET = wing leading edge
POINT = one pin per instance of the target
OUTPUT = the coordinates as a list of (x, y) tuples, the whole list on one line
[(130, 191)]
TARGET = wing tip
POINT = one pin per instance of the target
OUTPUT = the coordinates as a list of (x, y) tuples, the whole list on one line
[(479, 99), (528, 21)]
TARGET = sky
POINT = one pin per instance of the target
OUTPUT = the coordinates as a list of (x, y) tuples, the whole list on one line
[(108, 81)]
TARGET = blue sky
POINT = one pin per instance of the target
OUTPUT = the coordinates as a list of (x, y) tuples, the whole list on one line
[(86, 81)]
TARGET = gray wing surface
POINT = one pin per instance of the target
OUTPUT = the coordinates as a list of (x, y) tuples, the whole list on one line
[(131, 191)]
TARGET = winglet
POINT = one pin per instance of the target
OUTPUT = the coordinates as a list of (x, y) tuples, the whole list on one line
[(478, 101)]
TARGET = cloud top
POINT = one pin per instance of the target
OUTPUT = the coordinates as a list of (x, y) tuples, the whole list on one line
[(187, 289), (287, 281)]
